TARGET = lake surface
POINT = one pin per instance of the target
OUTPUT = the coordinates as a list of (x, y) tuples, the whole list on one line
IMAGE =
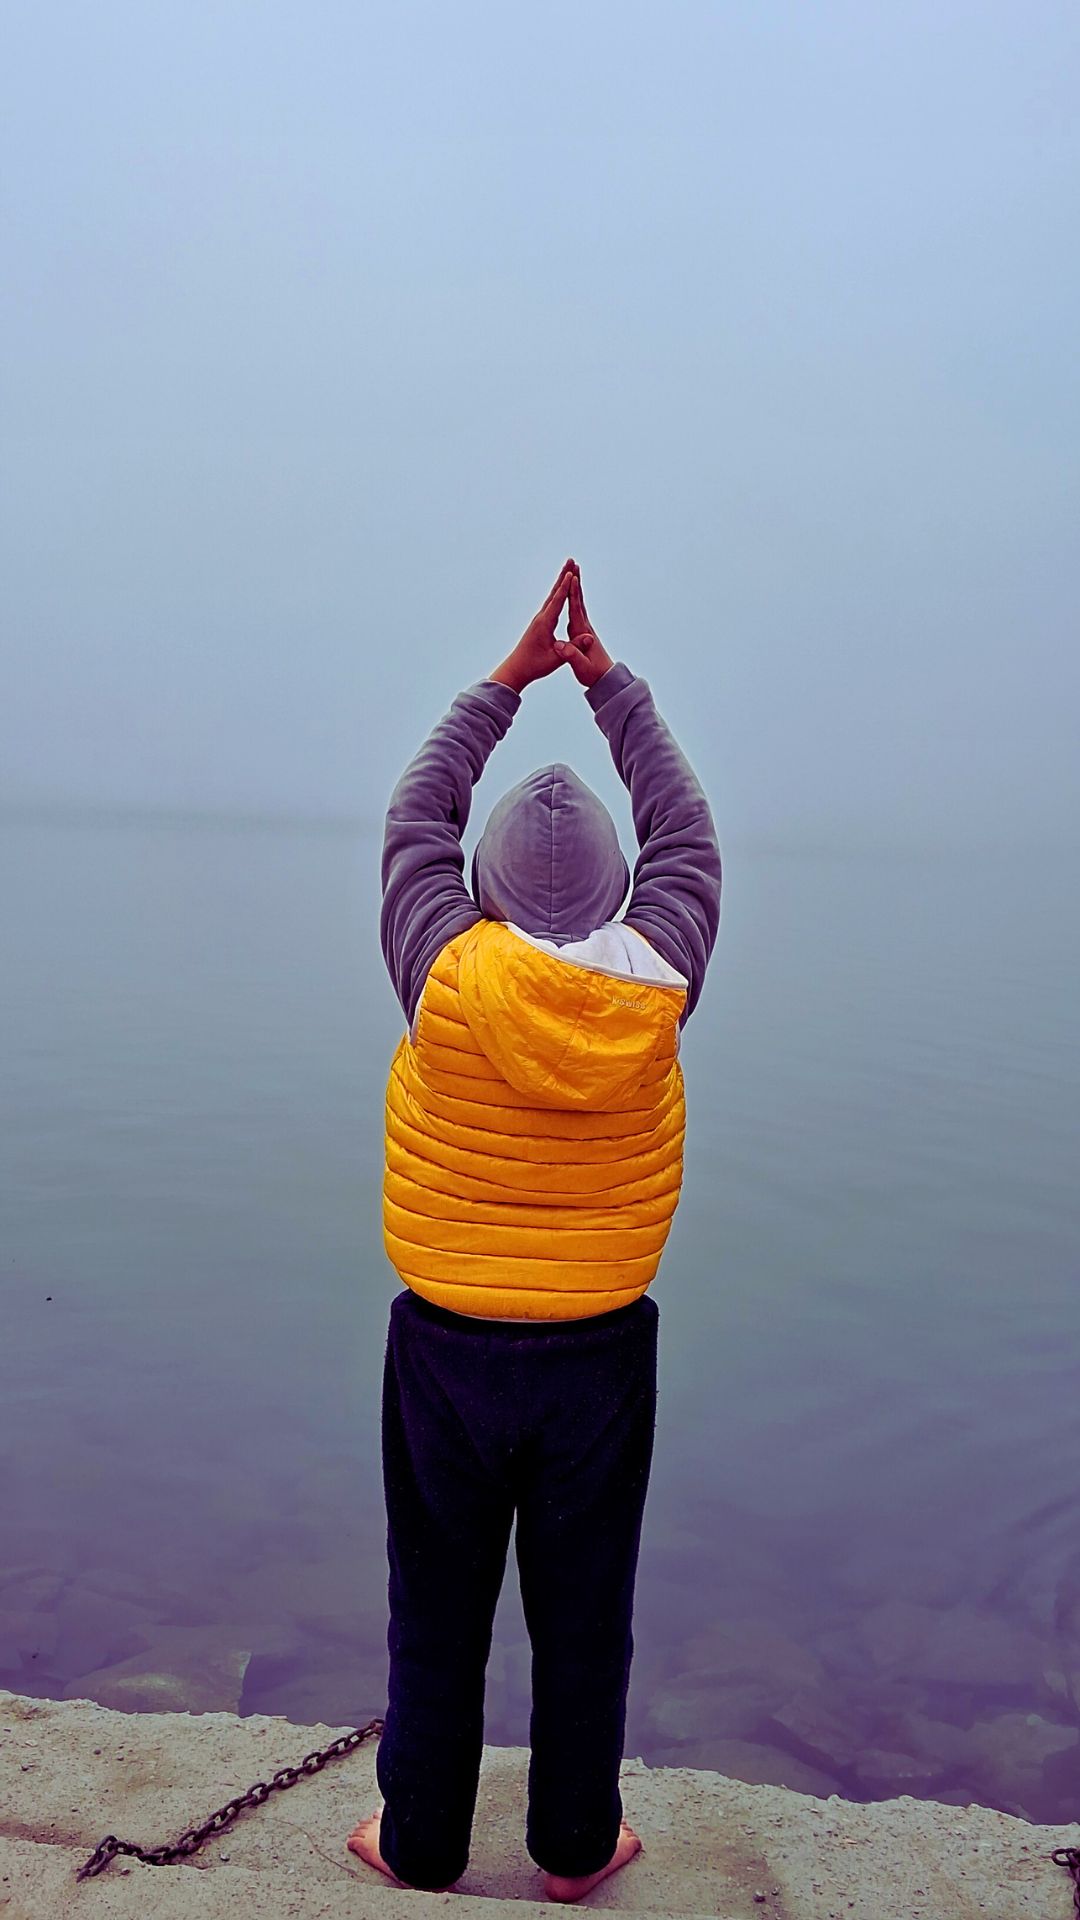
[(860, 1568)]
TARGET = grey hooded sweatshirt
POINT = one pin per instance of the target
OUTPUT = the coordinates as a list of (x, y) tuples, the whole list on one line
[(549, 858)]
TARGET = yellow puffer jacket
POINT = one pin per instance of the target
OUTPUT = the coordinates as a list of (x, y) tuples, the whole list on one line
[(534, 1132)]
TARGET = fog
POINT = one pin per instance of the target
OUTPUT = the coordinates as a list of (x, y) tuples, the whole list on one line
[(329, 331)]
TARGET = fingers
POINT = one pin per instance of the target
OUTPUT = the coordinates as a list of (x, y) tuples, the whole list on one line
[(568, 650), (579, 619), (558, 592)]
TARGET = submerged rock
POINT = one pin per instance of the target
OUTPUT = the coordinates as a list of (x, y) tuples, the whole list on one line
[(31, 1587), (936, 1740), (887, 1774), (962, 1795), (959, 1646), (761, 1766), (301, 1683), (1063, 1684), (186, 1670), (734, 1649), (27, 1639), (691, 1708), (332, 1599), (1009, 1754), (831, 1732), (95, 1630), (29, 1629), (734, 1674)]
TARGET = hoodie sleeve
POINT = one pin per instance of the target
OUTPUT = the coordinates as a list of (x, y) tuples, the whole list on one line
[(675, 897), (425, 901)]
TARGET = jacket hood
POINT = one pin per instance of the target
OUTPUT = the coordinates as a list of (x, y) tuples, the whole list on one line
[(565, 1033), (549, 857)]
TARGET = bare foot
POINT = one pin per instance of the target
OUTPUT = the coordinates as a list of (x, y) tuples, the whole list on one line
[(364, 1842), (558, 1887)]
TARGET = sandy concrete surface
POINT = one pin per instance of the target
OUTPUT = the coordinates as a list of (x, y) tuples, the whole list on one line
[(72, 1771)]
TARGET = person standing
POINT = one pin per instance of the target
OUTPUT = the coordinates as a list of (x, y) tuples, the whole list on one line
[(535, 1122)]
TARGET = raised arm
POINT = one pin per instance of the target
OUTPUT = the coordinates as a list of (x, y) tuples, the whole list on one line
[(425, 900), (675, 898)]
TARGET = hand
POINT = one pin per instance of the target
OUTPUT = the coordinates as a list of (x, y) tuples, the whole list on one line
[(536, 653), (583, 648)]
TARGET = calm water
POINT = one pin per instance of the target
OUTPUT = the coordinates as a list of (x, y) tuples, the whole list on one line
[(861, 1560)]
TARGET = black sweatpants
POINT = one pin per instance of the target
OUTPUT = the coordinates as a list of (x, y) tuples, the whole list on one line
[(552, 1421)]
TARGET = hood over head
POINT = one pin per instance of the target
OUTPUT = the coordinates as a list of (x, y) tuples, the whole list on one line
[(549, 858)]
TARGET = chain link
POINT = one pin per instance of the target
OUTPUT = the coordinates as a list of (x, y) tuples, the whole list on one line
[(196, 1837), (1070, 1857)]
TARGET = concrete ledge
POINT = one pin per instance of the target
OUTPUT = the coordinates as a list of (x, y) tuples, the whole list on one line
[(72, 1771)]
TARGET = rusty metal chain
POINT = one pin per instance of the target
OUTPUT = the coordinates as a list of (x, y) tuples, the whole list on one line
[(1070, 1857), (196, 1837)]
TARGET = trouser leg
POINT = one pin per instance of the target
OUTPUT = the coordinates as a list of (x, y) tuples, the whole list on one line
[(449, 1515), (581, 1503)]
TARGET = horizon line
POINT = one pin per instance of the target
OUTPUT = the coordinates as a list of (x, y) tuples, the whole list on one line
[(132, 814)]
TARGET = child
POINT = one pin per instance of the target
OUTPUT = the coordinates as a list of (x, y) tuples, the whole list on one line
[(534, 1136)]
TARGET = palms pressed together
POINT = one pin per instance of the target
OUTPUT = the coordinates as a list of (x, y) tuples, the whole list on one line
[(541, 651)]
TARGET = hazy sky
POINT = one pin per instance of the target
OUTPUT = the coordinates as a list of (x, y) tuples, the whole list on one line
[(330, 329)]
